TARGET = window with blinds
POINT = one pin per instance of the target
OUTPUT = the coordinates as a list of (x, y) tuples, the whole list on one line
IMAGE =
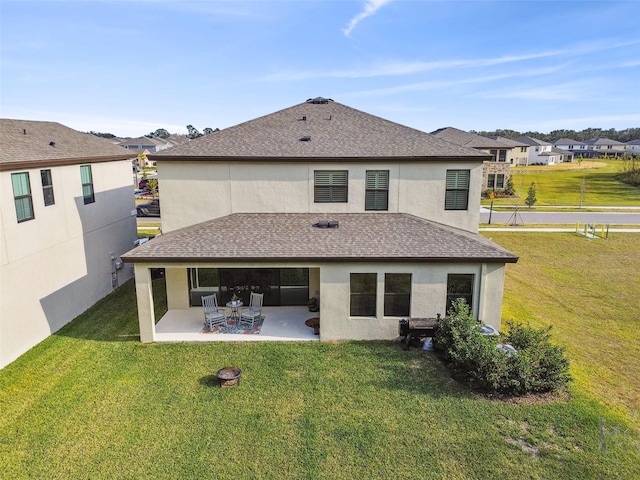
[(331, 186), (87, 184), (22, 196), (457, 190), (377, 190)]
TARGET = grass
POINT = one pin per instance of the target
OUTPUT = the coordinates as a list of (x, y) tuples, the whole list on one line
[(562, 184), (588, 290), (93, 402)]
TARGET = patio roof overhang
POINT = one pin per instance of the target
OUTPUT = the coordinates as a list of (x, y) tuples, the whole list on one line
[(289, 237)]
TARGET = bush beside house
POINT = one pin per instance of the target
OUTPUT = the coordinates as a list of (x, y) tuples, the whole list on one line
[(536, 366)]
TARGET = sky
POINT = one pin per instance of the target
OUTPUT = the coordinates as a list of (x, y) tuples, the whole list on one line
[(131, 67)]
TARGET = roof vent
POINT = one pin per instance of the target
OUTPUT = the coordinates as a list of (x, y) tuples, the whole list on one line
[(319, 100), (53, 144), (304, 118), (326, 224), (306, 138)]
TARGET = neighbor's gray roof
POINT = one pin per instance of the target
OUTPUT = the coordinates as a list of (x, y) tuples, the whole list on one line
[(633, 142), (335, 131), (531, 141), (567, 141), (25, 143), (274, 237), (468, 139), (509, 142), (602, 141)]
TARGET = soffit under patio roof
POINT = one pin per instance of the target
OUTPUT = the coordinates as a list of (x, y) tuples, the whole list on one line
[(246, 237)]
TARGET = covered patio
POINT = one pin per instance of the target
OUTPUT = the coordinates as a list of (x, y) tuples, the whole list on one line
[(281, 324)]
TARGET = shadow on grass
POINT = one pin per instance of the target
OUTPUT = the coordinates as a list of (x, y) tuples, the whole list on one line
[(114, 318)]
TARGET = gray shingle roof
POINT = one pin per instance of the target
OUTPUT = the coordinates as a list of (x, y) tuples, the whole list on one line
[(468, 139), (509, 142), (531, 141), (27, 141), (334, 131), (567, 141), (292, 237), (602, 141)]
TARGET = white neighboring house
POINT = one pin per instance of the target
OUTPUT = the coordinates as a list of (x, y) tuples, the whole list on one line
[(67, 214), (575, 147), (544, 153), (600, 147), (632, 147), (380, 219)]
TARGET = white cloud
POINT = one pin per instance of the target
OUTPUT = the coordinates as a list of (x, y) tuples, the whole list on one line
[(370, 8), (399, 67)]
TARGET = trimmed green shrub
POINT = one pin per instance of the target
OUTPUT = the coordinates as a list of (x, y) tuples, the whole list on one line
[(537, 366)]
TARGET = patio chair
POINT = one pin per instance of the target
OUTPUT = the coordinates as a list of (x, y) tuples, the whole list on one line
[(213, 316), (251, 314)]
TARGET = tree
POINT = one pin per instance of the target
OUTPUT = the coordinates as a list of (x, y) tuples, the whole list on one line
[(509, 188), (152, 186), (531, 195), (159, 133), (193, 132)]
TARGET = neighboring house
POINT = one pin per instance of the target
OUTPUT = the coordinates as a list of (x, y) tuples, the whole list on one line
[(544, 153), (575, 147), (377, 219), (632, 147), (66, 215), (519, 154), (496, 171), (600, 147), (145, 145)]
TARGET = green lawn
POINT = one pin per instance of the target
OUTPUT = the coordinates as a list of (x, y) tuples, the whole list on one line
[(562, 185), (93, 402)]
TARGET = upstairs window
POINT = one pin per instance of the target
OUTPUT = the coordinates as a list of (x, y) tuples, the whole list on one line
[(457, 190), (331, 186), (22, 196), (377, 190), (493, 154), (87, 184), (47, 187), (363, 294), (502, 156)]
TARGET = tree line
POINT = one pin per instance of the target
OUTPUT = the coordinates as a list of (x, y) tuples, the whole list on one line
[(623, 136)]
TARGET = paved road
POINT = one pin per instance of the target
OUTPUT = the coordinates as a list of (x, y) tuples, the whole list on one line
[(524, 217)]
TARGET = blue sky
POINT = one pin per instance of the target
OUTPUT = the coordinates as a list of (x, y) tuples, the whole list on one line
[(130, 67)]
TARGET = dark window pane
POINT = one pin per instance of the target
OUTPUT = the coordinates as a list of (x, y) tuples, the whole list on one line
[(363, 294), (397, 294)]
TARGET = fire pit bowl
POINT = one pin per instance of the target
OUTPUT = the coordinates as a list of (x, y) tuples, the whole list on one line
[(229, 376)]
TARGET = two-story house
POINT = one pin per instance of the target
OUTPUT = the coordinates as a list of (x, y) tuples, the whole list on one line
[(495, 171), (632, 147), (519, 154), (544, 153), (600, 147), (66, 215), (577, 148), (377, 220)]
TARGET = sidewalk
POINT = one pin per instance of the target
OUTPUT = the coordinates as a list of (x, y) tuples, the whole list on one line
[(545, 229)]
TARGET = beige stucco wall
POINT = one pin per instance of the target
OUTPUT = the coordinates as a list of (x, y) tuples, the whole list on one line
[(428, 295), (195, 192), (55, 266)]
